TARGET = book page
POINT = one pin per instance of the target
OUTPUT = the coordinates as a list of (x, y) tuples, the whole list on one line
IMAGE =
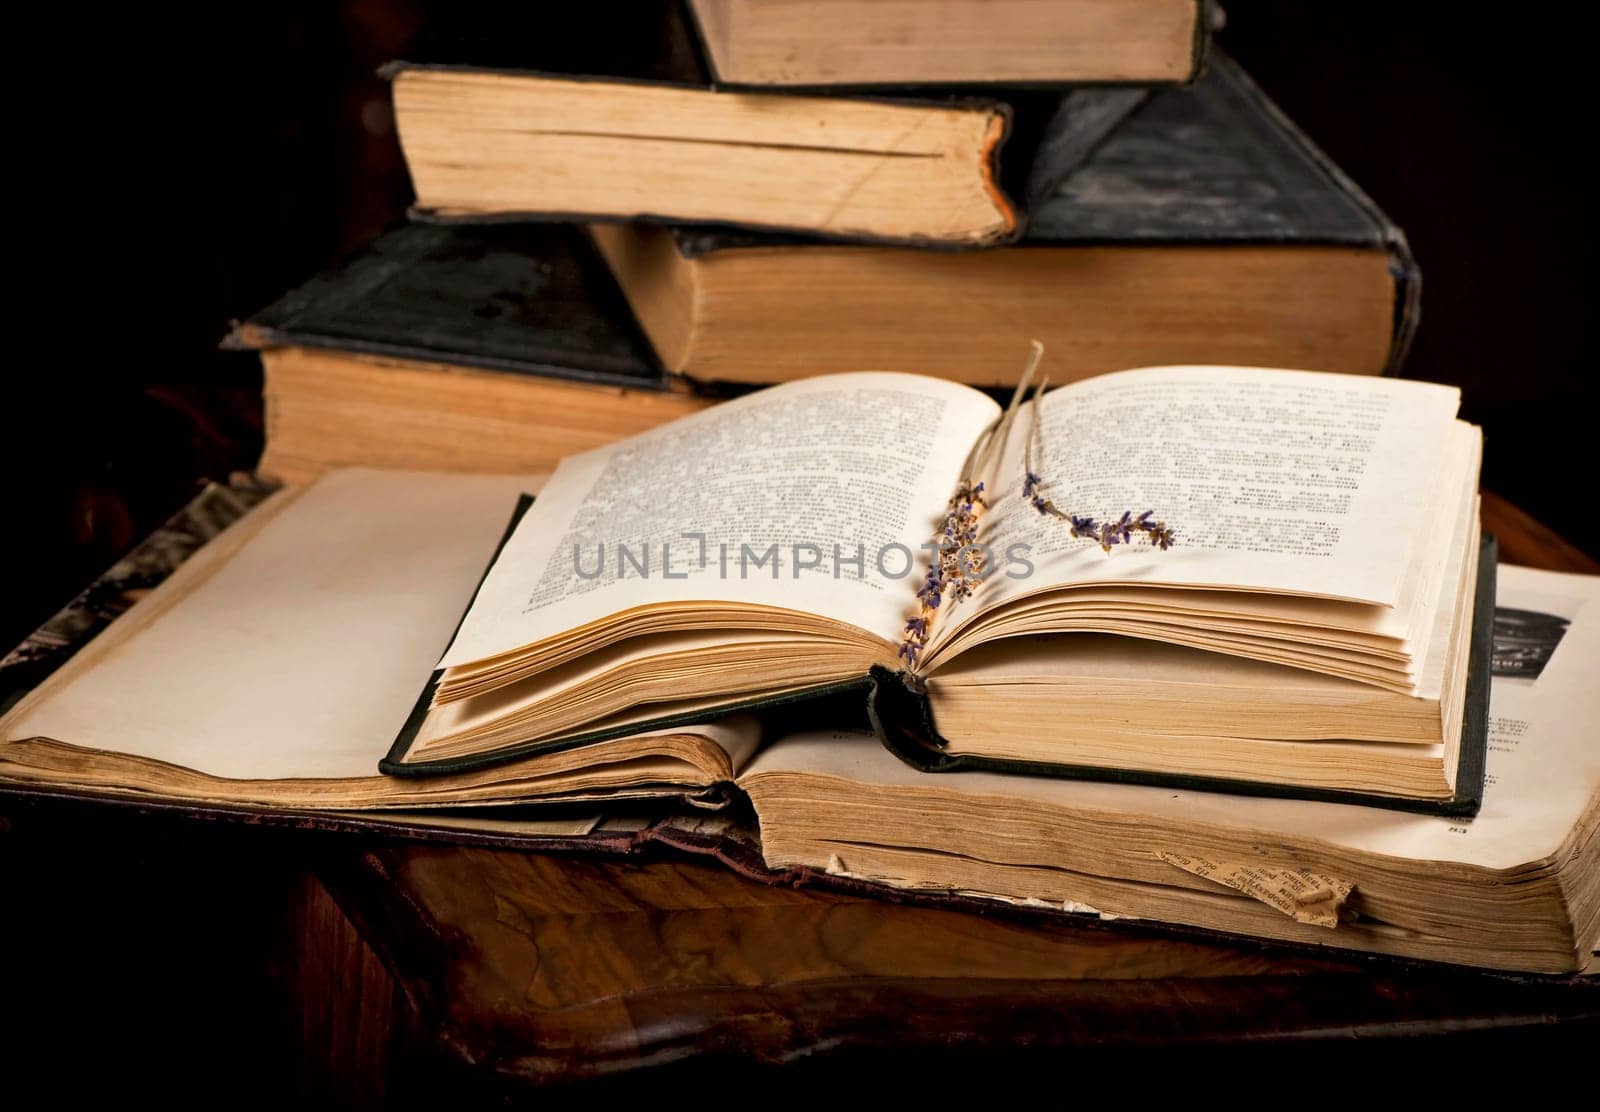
[(1286, 481), (813, 496), (1543, 768), (295, 644), (1406, 628)]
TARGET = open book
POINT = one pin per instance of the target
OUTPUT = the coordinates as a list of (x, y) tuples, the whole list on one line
[(272, 669), (270, 673), (1310, 631)]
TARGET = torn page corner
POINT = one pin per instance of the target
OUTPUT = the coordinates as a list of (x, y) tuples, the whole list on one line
[(1303, 895)]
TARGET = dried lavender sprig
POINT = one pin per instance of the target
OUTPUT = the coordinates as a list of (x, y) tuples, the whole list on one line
[(949, 576), (1104, 533), (959, 567)]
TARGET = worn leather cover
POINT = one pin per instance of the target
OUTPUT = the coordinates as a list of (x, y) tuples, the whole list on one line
[(530, 299), (1216, 163), (903, 720)]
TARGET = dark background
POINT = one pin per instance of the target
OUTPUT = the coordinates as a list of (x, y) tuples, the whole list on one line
[(178, 176)]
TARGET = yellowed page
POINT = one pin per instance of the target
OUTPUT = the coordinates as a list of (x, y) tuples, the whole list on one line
[(1543, 764), (1289, 481), (1228, 622), (302, 655), (615, 678), (1443, 591), (730, 505)]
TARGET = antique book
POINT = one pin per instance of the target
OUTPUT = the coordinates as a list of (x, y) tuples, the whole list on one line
[(884, 530), (298, 654), (455, 348), (823, 43), (1517, 887), (601, 113), (272, 669), (1204, 227)]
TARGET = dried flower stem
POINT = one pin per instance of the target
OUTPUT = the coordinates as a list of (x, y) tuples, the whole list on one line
[(955, 574), (1105, 533)]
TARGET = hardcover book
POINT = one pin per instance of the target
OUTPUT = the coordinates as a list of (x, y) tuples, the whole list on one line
[(813, 535), (529, 299), (456, 348), (607, 115), (1199, 225), (834, 43)]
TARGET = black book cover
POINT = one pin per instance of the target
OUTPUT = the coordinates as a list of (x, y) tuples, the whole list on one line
[(529, 298)]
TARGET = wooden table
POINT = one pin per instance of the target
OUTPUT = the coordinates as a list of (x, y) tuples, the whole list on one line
[(504, 970)]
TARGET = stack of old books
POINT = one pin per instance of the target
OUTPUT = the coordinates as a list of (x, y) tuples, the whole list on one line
[(625, 209), (1207, 643)]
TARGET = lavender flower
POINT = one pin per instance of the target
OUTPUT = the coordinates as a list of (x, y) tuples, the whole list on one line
[(949, 575), (1104, 533)]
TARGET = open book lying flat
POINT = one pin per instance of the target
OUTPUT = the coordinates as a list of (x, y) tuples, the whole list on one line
[(269, 674), (1309, 633), (272, 669)]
